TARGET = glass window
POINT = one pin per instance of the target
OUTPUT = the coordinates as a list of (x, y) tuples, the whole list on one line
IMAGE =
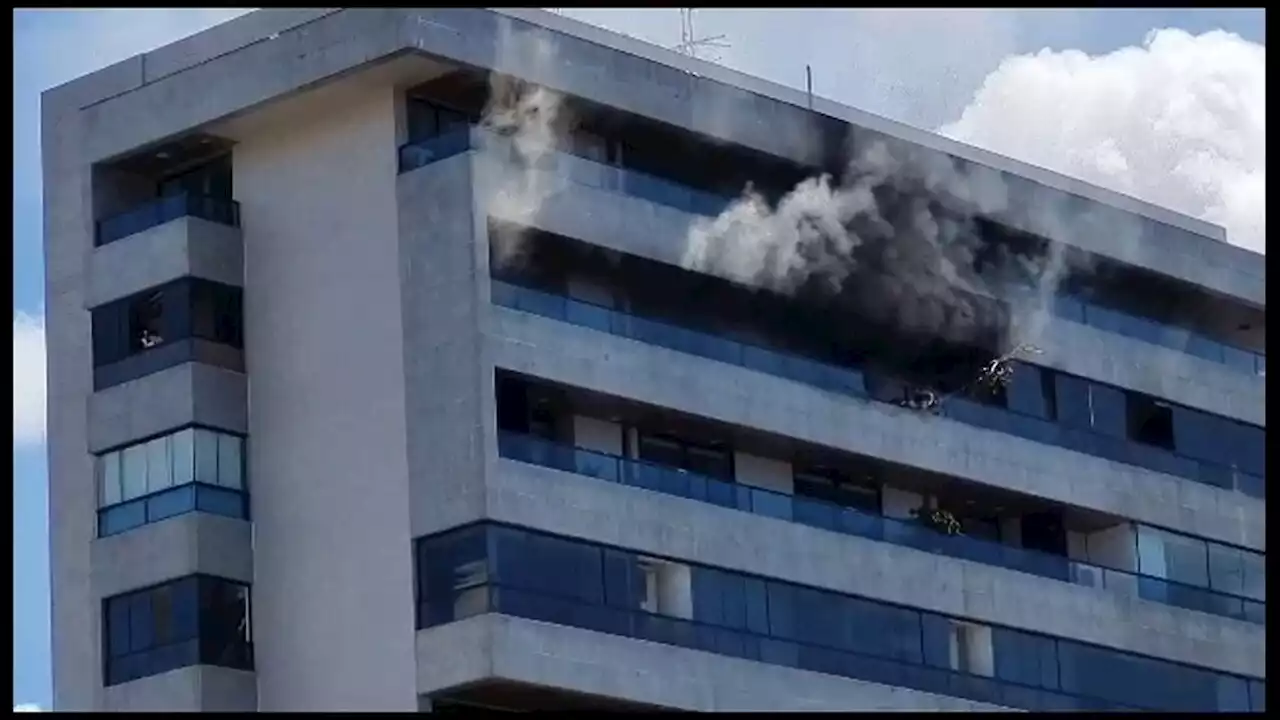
[(134, 483), (159, 466), (1172, 556), (230, 461), (1073, 402), (1108, 410), (109, 474), (184, 458), (206, 447)]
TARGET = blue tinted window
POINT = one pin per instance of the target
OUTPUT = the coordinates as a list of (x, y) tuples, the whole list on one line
[(1109, 411), (168, 626), (1029, 392), (623, 579), (1073, 402)]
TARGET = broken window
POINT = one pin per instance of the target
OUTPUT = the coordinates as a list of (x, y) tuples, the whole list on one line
[(1150, 421)]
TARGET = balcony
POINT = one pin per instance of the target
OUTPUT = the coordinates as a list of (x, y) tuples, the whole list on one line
[(851, 382), (157, 212), (697, 202), (844, 520)]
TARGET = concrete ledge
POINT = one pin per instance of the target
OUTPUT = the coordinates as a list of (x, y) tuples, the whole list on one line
[(600, 664), (200, 688), (647, 229), (169, 399), (568, 504), (649, 374), (173, 548), (186, 247)]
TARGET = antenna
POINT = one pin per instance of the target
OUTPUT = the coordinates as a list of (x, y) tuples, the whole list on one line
[(690, 43)]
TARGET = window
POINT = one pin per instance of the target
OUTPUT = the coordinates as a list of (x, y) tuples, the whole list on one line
[(1031, 392), (710, 460), (1173, 557), (834, 486), (580, 584), (191, 621), (159, 323), (145, 315), (211, 179), (1150, 421), (191, 469)]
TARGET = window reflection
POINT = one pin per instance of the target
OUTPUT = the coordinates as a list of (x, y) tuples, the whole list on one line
[(188, 470), (572, 582)]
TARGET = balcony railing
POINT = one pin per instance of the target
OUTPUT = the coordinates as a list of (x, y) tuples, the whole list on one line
[(699, 202), (172, 502), (166, 209), (847, 521), (851, 382)]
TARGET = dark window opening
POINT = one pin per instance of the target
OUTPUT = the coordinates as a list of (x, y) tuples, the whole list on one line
[(1150, 421), (529, 409), (713, 460), (181, 310), (211, 179), (428, 119), (858, 491), (196, 620), (145, 315), (1045, 531)]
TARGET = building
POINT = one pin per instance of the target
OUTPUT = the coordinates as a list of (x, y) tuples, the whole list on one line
[(396, 364)]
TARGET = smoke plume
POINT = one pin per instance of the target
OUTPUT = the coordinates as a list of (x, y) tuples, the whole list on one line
[(526, 122), (911, 217)]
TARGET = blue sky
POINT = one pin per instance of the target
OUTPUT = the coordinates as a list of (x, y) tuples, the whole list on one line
[(1174, 118)]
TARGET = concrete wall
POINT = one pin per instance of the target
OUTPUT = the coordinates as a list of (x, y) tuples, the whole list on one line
[(624, 368), (201, 688), (497, 646), (673, 527), (68, 226), (170, 549), (167, 400), (186, 247), (327, 431), (449, 397), (647, 229)]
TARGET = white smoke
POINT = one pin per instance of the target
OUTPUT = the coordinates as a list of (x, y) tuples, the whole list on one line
[(919, 207), (529, 123), (1178, 122)]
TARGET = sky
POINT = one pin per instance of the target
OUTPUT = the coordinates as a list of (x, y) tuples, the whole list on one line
[(1164, 105)]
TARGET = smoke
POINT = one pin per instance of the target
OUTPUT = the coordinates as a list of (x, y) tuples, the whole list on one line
[(528, 122), (910, 217)]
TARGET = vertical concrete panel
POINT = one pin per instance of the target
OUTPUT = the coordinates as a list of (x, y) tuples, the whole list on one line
[(327, 404), (764, 473), (448, 384), (68, 226)]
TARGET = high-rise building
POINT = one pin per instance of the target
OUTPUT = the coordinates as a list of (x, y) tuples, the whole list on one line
[(424, 359)]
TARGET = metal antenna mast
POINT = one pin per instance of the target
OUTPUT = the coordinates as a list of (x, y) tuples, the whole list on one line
[(690, 43)]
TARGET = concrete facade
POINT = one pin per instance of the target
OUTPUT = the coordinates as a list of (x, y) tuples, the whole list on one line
[(371, 346)]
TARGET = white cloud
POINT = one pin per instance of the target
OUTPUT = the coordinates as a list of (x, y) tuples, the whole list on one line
[(28, 379), (27, 707), (1179, 122)]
